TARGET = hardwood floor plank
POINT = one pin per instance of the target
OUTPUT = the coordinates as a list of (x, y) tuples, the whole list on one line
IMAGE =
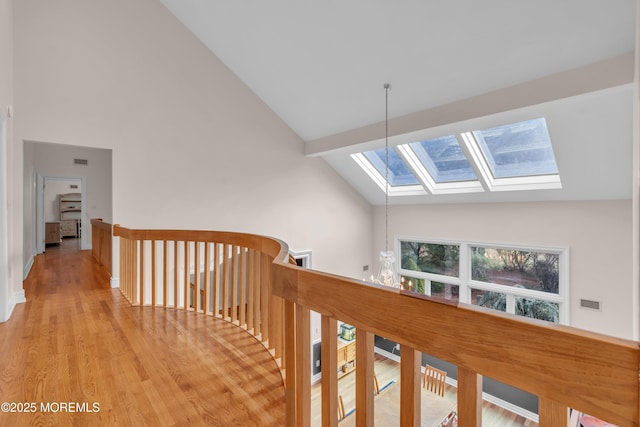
[(78, 340)]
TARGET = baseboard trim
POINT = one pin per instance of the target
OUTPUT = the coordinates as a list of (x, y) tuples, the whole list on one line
[(18, 297), (115, 282), (27, 268)]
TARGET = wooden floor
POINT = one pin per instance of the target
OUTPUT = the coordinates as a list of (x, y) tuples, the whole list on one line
[(388, 370), (78, 354)]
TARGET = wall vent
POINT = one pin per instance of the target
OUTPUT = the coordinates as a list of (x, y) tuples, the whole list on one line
[(593, 305), (80, 162), (73, 186)]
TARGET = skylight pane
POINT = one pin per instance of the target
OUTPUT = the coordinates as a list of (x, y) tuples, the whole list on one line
[(518, 149), (399, 173), (444, 159)]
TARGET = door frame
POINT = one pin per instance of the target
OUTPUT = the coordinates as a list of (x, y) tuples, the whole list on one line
[(41, 181)]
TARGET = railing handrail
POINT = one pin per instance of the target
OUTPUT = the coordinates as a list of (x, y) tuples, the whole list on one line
[(273, 247), (98, 222)]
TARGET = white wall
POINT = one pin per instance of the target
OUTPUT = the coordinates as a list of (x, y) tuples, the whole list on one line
[(11, 278), (598, 234), (192, 146)]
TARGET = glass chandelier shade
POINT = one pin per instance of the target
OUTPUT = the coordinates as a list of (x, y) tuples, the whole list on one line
[(386, 274)]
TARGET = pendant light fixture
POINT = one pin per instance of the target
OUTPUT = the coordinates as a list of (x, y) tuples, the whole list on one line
[(386, 274)]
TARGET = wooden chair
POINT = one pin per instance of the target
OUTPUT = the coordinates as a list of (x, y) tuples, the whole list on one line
[(434, 380), (450, 421), (574, 419), (341, 413), (376, 386)]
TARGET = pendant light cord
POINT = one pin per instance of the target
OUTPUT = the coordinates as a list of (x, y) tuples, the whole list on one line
[(387, 86)]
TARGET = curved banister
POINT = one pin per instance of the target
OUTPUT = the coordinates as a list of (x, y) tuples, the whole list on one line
[(564, 366), (269, 245)]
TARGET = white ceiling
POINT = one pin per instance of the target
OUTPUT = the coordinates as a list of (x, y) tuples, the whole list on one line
[(320, 65)]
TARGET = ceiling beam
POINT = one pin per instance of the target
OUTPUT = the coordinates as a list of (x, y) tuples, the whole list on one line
[(601, 75)]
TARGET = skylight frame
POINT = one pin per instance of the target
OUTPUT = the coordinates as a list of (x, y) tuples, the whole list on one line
[(472, 149), (519, 183), (380, 180), (433, 187)]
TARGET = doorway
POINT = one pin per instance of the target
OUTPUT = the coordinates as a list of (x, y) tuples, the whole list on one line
[(61, 208), (61, 212)]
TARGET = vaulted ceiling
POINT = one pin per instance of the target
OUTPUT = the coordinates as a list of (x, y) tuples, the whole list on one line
[(453, 66)]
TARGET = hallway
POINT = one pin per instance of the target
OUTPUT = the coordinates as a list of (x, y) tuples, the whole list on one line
[(77, 353)]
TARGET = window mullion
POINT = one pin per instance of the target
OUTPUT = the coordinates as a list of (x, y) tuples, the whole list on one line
[(464, 274)]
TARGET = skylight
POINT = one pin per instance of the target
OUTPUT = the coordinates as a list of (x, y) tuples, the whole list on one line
[(518, 149), (399, 173), (443, 159), (517, 156)]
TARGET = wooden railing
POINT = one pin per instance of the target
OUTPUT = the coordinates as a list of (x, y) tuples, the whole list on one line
[(222, 274), (563, 366), (101, 242)]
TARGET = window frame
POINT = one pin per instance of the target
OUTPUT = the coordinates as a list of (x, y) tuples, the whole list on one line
[(381, 181), (485, 182), (466, 284)]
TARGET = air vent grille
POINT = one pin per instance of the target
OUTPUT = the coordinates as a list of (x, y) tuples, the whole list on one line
[(593, 305), (80, 162)]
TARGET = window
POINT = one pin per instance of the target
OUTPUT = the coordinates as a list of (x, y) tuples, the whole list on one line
[(527, 282), (513, 267), (444, 160), (517, 149), (516, 156), (431, 268), (402, 181), (399, 173)]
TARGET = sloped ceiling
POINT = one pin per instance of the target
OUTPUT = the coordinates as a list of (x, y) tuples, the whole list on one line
[(321, 65)]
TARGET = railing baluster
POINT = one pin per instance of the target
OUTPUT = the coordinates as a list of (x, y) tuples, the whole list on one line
[(133, 264), (225, 282), (153, 273), (176, 269), (187, 279), (141, 265), (250, 289), (275, 323), (329, 356), (257, 325), (207, 277), (243, 288), (410, 363), (165, 272), (469, 398), (196, 276), (234, 284), (290, 368), (216, 280), (364, 378), (303, 364), (552, 413), (264, 298)]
